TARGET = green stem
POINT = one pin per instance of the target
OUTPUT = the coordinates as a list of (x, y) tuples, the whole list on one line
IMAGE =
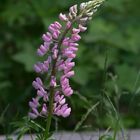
[(50, 112), (52, 89)]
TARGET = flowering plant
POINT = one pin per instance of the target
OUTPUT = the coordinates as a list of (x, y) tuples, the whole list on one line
[(59, 49)]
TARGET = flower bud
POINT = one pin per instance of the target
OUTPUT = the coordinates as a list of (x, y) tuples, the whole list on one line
[(63, 17)]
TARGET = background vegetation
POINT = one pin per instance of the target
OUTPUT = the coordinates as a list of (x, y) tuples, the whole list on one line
[(107, 66)]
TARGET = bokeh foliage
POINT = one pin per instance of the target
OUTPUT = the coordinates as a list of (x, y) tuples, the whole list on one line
[(108, 59)]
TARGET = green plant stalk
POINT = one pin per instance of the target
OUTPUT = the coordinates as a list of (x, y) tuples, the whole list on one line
[(50, 113), (52, 89), (53, 73)]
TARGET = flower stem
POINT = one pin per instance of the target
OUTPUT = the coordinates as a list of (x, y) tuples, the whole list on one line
[(52, 89), (50, 113)]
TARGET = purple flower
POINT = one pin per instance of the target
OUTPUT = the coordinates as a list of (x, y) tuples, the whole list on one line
[(37, 84), (32, 115), (53, 81), (63, 111), (44, 110), (59, 47), (47, 37), (63, 17)]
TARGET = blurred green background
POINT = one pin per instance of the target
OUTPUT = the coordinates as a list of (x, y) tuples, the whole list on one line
[(108, 60)]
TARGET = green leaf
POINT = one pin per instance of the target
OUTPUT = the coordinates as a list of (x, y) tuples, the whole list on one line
[(81, 75), (110, 34), (26, 57), (127, 76), (5, 84), (116, 5)]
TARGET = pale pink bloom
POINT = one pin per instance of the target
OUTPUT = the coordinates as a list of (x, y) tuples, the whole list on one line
[(32, 115), (37, 84), (70, 74), (68, 25), (75, 37), (60, 50), (73, 10), (44, 110), (47, 37), (63, 17), (82, 28), (75, 31), (53, 81), (58, 25), (35, 111), (73, 44), (55, 53), (84, 19), (68, 91)]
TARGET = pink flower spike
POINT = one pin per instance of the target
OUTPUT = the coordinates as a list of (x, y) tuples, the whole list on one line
[(63, 17), (59, 48)]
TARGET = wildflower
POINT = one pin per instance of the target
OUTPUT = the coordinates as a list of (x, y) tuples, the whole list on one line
[(60, 50)]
